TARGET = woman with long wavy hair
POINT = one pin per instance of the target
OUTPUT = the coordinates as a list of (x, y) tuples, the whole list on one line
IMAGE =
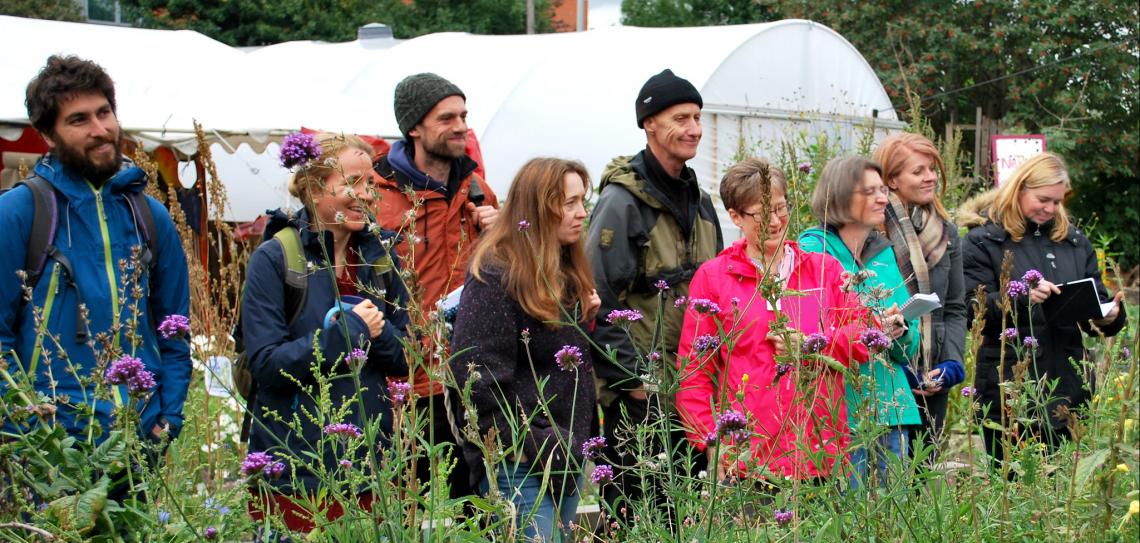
[(521, 351)]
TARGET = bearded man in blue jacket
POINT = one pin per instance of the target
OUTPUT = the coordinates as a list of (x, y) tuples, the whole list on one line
[(96, 306)]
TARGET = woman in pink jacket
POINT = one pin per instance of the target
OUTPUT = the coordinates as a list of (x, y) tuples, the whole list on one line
[(761, 375)]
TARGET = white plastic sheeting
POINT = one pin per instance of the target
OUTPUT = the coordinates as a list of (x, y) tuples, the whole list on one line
[(570, 95)]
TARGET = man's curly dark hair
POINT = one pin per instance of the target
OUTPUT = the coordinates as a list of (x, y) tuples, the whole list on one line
[(60, 80)]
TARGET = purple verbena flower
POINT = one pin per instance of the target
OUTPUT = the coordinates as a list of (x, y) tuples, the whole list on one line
[(623, 316), (356, 357), (783, 369), (602, 474), (703, 305), (661, 284), (1017, 289), (1029, 342), (732, 423), (346, 464), (815, 343), (1125, 353), (130, 371), (805, 167), (173, 325), (1009, 334), (211, 533), (592, 448), (968, 391), (875, 340), (705, 343), (1032, 278), (783, 517), (653, 356), (399, 392), (298, 149), (255, 462), (343, 429), (568, 358), (680, 301), (711, 439), (524, 225), (274, 470)]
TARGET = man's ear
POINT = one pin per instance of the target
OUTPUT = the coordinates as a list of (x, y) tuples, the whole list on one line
[(414, 132), (650, 125), (47, 139)]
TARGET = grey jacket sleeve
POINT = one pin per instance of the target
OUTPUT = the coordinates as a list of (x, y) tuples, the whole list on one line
[(612, 245), (954, 310)]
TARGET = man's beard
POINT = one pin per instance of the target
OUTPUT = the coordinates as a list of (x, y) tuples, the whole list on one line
[(440, 150), (76, 160)]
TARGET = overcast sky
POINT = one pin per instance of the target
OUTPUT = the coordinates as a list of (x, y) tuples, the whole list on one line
[(605, 13)]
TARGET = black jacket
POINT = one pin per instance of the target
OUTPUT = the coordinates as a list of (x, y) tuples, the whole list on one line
[(517, 377), (1059, 340), (279, 354)]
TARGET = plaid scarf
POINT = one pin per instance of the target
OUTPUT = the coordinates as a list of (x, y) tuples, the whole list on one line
[(920, 241)]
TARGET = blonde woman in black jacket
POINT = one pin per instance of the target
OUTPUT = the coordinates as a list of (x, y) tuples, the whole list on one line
[(1027, 217)]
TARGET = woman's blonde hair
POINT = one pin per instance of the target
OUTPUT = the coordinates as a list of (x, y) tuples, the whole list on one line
[(312, 176), (1043, 170), (893, 151), (541, 274)]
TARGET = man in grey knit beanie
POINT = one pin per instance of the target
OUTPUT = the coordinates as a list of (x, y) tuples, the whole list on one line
[(430, 193)]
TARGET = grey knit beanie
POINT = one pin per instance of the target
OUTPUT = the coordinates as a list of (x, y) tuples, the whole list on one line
[(417, 94), (663, 91)]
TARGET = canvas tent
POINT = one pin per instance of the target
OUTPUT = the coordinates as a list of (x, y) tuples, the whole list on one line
[(164, 80), (572, 95), (569, 95)]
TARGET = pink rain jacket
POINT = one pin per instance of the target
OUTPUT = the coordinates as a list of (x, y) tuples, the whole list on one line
[(785, 424)]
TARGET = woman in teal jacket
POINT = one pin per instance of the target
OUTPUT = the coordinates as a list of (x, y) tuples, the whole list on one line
[(850, 200)]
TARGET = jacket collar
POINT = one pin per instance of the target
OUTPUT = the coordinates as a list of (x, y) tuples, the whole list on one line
[(130, 178), (742, 265), (874, 244)]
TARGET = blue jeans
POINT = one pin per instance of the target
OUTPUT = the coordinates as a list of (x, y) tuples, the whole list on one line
[(893, 441), (536, 515)]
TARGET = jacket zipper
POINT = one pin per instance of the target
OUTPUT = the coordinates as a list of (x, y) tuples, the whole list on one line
[(108, 260)]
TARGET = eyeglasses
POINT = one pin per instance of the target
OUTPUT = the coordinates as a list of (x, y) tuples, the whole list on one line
[(780, 210), (870, 191)]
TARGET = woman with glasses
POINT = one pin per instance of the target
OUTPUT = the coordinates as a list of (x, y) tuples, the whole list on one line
[(762, 374), (930, 257), (850, 200)]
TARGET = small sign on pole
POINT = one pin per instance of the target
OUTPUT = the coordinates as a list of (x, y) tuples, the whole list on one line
[(1009, 152)]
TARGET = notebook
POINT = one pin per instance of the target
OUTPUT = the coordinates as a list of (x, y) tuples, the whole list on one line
[(1078, 301), (919, 305)]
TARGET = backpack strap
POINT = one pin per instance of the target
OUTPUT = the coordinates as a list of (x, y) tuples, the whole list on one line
[(296, 289), (295, 269), (44, 225), (144, 221)]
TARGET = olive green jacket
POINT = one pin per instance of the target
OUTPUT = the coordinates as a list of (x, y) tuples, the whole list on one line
[(635, 241)]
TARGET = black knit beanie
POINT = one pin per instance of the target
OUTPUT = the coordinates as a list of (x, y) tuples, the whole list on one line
[(662, 91), (417, 94)]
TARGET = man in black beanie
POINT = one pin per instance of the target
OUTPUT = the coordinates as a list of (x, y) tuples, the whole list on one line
[(453, 205), (651, 229)]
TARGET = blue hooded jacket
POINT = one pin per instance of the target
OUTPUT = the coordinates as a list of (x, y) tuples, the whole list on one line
[(97, 232), (281, 354)]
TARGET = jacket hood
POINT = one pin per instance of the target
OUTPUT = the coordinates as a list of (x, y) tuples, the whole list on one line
[(875, 244), (976, 210), (631, 173), (130, 178), (743, 265), (372, 244)]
